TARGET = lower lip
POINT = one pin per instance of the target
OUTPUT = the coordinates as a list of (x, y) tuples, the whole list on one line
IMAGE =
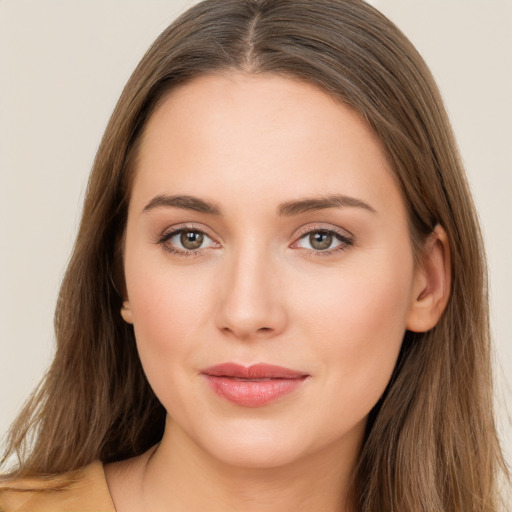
[(253, 393)]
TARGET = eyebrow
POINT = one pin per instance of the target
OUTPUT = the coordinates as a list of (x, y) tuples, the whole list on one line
[(286, 209), (320, 203), (184, 202)]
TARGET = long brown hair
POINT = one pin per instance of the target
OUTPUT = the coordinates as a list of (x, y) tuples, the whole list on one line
[(431, 442)]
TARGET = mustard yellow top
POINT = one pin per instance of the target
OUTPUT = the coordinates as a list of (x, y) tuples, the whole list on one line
[(84, 490)]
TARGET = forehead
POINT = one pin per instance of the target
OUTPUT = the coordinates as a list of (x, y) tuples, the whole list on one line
[(261, 138)]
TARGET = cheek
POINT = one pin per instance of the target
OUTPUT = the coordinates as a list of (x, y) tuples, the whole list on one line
[(170, 338), (169, 308), (358, 322)]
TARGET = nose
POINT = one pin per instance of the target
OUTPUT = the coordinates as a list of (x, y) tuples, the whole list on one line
[(251, 304)]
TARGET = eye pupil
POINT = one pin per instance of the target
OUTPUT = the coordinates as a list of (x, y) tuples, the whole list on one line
[(191, 239), (320, 240)]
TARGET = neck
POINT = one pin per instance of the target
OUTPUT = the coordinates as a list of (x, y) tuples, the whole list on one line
[(179, 475)]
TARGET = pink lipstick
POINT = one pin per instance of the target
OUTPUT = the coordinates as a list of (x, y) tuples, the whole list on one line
[(253, 386)]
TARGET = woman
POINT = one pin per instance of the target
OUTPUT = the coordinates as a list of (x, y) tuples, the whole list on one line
[(277, 298)]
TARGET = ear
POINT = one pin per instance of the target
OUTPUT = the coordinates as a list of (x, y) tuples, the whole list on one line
[(126, 312), (432, 283)]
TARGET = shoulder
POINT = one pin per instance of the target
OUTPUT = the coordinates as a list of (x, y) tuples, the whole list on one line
[(84, 490)]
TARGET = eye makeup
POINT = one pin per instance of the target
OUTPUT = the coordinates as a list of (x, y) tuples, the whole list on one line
[(189, 241), (321, 239), (186, 235)]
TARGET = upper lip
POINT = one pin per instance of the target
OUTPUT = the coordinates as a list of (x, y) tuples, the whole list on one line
[(256, 371)]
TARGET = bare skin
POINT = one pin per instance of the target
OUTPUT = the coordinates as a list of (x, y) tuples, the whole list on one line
[(327, 287), (144, 482)]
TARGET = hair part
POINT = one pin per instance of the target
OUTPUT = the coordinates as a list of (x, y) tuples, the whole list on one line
[(431, 442)]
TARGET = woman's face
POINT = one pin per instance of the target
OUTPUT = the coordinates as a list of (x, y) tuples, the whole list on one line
[(265, 228)]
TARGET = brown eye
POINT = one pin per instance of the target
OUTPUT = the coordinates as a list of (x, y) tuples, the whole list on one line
[(191, 240), (323, 240), (187, 240), (320, 240)]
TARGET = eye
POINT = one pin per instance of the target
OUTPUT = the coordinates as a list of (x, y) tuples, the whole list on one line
[(323, 240), (186, 240)]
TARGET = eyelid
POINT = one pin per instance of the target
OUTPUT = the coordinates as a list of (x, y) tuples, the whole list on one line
[(346, 239), (306, 230), (173, 230), (188, 226)]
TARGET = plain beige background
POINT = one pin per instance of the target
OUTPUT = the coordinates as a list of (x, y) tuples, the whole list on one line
[(62, 67)]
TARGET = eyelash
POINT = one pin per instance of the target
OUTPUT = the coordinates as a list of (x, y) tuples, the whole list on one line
[(344, 238), (180, 252)]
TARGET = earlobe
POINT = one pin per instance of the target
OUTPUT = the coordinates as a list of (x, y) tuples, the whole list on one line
[(432, 283), (126, 312)]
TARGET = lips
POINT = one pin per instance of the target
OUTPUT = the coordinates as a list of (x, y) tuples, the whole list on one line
[(253, 386)]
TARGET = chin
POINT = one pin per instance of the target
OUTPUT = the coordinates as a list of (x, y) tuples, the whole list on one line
[(259, 444), (262, 453), (242, 442)]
